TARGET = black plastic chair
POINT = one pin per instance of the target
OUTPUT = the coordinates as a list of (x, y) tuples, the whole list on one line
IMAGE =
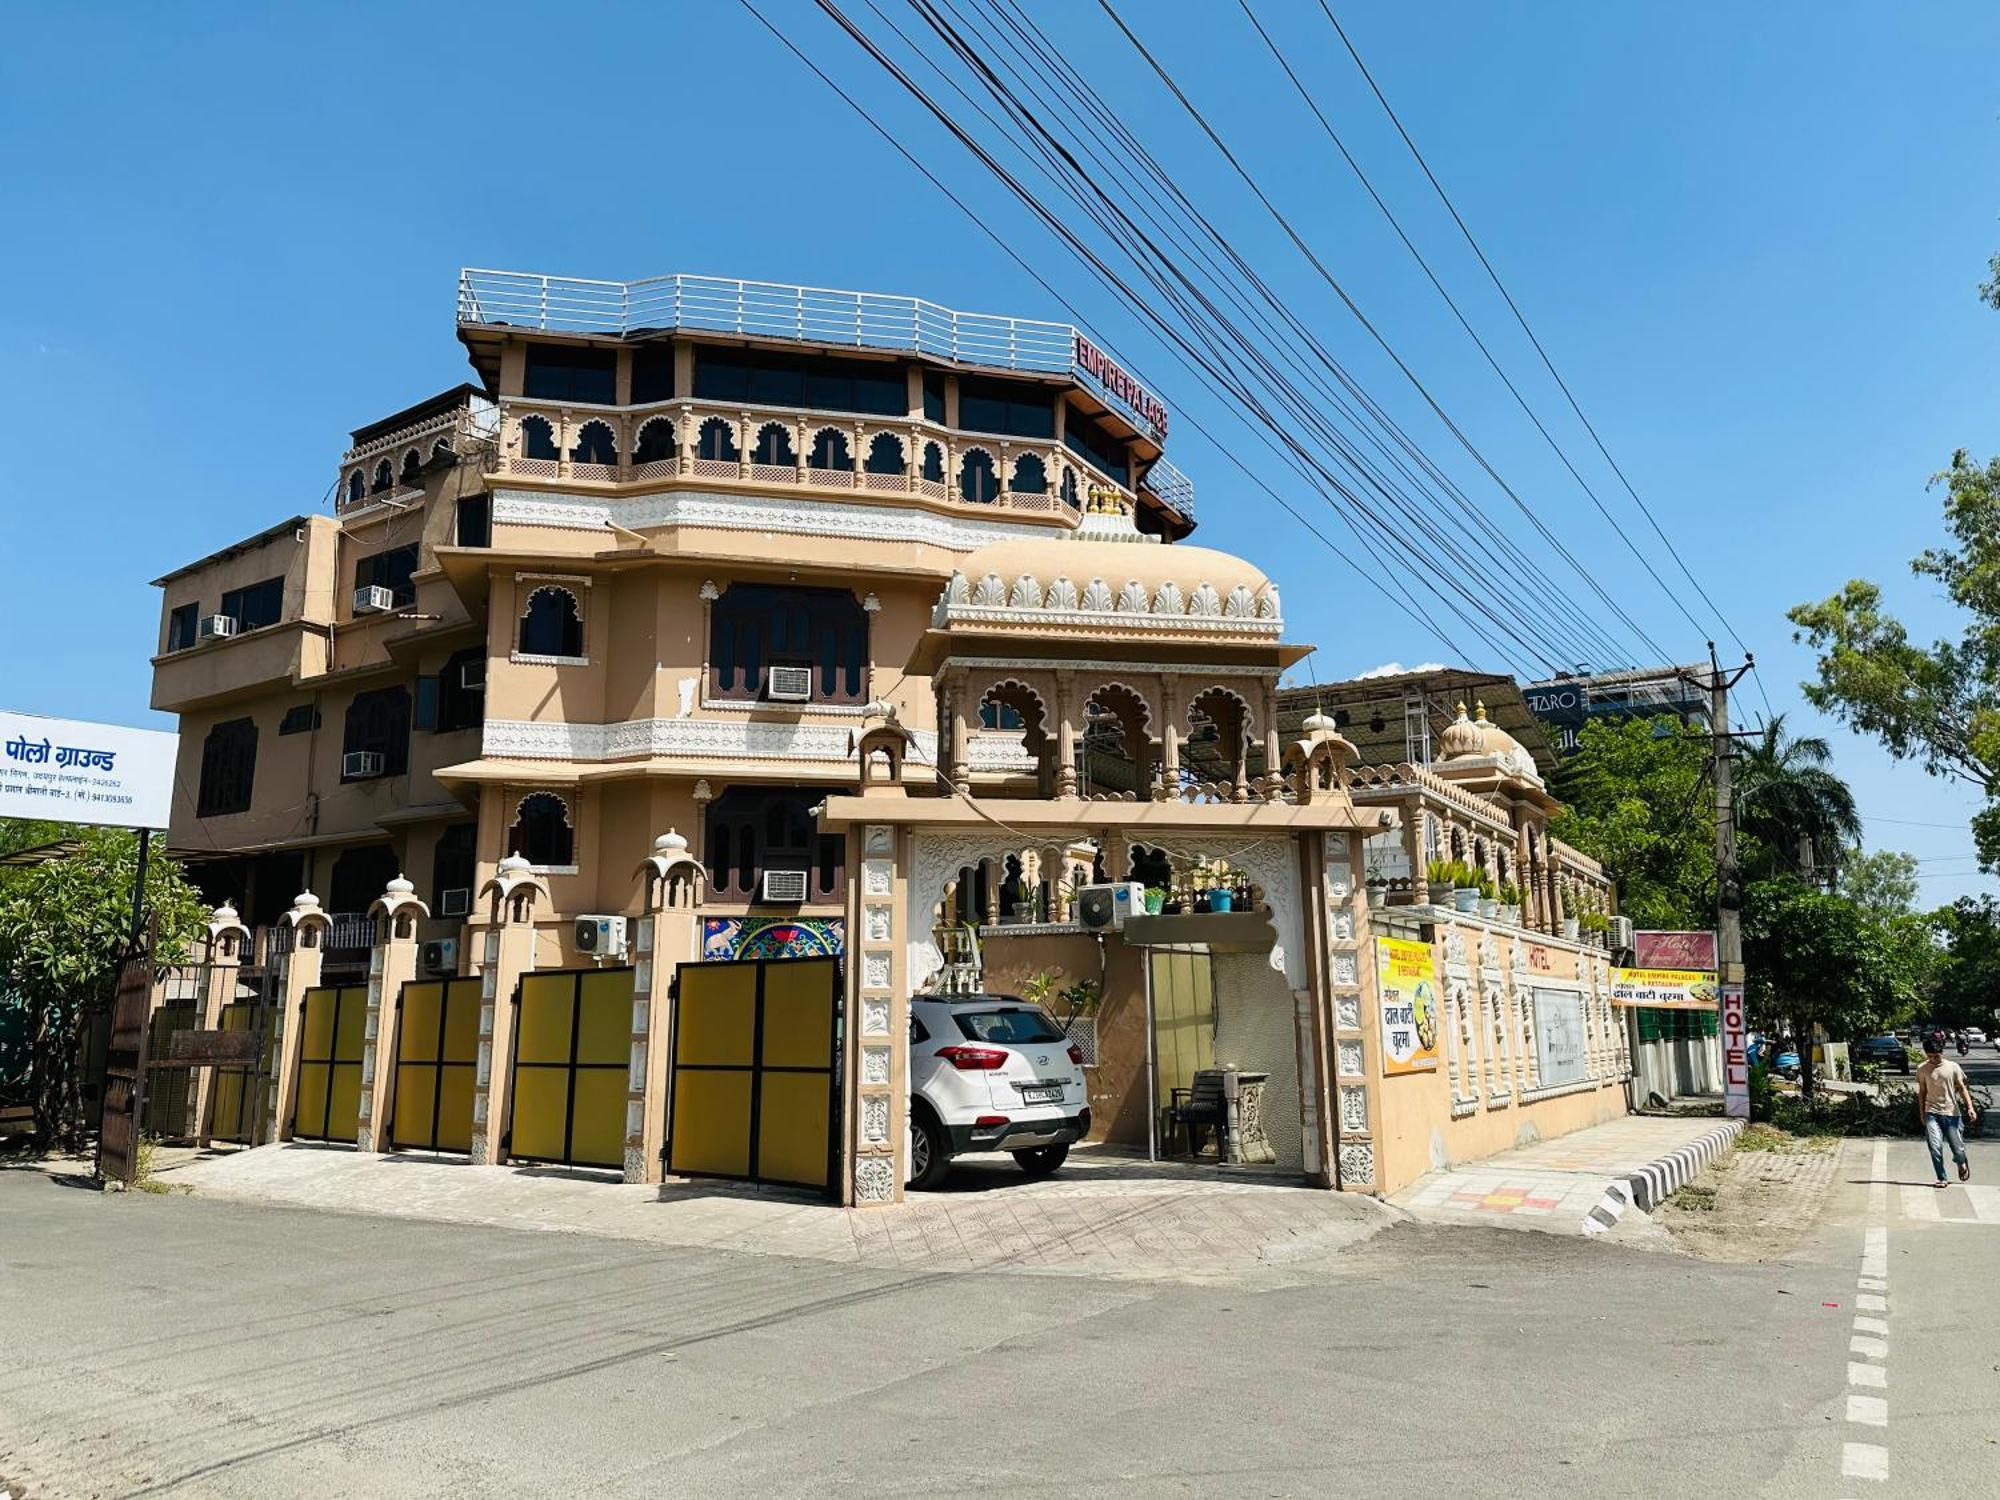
[(1202, 1107)]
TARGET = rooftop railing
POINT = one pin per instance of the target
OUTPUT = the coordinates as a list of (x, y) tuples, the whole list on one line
[(764, 309)]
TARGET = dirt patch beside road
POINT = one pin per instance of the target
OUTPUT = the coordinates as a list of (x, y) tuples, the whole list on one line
[(1758, 1202)]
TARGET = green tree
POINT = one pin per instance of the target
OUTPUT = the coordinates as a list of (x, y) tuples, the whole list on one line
[(1801, 815), (1938, 705), (1882, 882), (63, 927), (1636, 800), (1967, 992)]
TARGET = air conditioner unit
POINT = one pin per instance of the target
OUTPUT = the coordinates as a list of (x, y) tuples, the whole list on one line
[(789, 684), (374, 600), (1622, 935), (440, 956), (216, 628), (1099, 907), (361, 765), (455, 901), (600, 937), (472, 676), (786, 887)]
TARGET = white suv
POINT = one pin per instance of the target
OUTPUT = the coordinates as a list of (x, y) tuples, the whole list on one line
[(991, 1073)]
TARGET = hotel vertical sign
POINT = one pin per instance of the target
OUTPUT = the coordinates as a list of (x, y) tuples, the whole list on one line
[(1735, 1055)]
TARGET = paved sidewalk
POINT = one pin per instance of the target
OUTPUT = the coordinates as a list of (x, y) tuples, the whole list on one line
[(1103, 1215), (1554, 1185)]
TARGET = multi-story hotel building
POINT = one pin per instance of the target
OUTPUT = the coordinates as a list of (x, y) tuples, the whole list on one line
[(641, 572)]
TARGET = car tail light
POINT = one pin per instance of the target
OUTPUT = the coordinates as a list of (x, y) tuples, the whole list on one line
[(974, 1059), (1076, 1054), (989, 1122)]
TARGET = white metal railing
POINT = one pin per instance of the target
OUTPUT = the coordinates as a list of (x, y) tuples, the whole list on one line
[(1172, 486), (765, 309)]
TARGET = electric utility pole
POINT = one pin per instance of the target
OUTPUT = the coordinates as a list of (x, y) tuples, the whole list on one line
[(1728, 886)]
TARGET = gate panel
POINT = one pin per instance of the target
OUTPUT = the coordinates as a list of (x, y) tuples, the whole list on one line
[(237, 1092), (330, 1038), (168, 1090), (437, 1050), (715, 1053), (572, 1050)]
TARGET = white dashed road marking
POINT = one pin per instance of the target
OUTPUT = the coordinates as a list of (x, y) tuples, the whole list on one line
[(1864, 1461), (1867, 1411), (1869, 1338)]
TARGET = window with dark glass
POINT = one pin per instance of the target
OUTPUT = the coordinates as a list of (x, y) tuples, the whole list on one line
[(556, 374), (391, 570), (1000, 716), (300, 718), (379, 720), (461, 691), (774, 379), (551, 625), (228, 768), (756, 626), (542, 834), (452, 861), (255, 606), (750, 830), (1097, 445), (475, 521), (652, 374), (934, 395), (1004, 406), (182, 623)]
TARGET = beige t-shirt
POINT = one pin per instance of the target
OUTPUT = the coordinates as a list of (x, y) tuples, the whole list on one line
[(1940, 1083)]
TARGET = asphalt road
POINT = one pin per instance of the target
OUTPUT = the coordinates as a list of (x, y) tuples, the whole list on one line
[(174, 1345)]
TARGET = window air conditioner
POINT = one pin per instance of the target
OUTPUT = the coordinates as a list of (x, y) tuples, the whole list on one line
[(360, 765), (1099, 907), (440, 956), (600, 937), (789, 684), (785, 886), (456, 901), (374, 600), (216, 628)]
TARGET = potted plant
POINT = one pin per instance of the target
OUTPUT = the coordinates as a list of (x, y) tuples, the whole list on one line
[(1489, 898), (1570, 925), (1440, 874), (1598, 926), (1156, 898), (1464, 887), (1510, 903), (1221, 886)]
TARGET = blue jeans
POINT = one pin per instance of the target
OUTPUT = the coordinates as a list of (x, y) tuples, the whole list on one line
[(1937, 1130)]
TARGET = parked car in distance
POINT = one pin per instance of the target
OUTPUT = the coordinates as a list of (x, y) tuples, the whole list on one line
[(1886, 1050), (991, 1073), (1975, 1037)]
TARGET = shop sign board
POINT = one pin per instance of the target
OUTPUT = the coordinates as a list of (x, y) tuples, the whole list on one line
[(1674, 950), (1410, 1009), (1664, 989), (71, 771), (1560, 1045), (1735, 1054)]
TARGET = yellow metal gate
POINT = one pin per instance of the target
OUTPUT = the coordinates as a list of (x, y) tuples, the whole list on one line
[(236, 1108), (756, 1070), (572, 1061), (437, 1050), (331, 1027)]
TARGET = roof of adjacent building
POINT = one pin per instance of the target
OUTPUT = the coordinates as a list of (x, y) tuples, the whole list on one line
[(234, 549)]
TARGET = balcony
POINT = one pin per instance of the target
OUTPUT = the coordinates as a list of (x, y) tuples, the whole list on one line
[(830, 454), (386, 470)]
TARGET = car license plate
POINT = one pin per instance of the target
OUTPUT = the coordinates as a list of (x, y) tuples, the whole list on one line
[(1046, 1094)]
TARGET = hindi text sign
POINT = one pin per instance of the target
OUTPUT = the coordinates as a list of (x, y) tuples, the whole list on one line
[(72, 771), (1410, 1007)]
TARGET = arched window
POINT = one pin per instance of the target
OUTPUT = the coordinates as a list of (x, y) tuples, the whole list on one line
[(385, 479), (594, 445), (716, 442), (541, 833), (1030, 478), (976, 479), (754, 627), (357, 486), (656, 442), (774, 446), (934, 463), (413, 468), (830, 451), (551, 625), (538, 439), (885, 454)]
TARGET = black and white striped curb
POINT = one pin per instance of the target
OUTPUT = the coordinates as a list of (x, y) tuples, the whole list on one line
[(1659, 1180)]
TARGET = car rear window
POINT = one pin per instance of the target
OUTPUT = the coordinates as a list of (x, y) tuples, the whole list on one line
[(1017, 1026)]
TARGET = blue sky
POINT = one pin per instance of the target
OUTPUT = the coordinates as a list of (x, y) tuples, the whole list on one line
[(1749, 236)]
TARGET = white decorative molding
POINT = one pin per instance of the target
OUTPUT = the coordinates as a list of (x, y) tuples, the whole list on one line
[(1347, 1012), (875, 1065), (525, 659), (1203, 669), (1353, 1109), (875, 1015), (875, 1118), (1357, 1164), (874, 1179), (723, 739), (1350, 1062), (753, 513)]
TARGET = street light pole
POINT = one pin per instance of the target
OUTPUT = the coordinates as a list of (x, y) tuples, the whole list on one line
[(1728, 887)]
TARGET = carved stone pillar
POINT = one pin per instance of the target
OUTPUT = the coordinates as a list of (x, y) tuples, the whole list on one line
[(227, 938), (1066, 714), (392, 963), (505, 951), (670, 893), (1170, 736), (298, 971), (1414, 824), (878, 1025)]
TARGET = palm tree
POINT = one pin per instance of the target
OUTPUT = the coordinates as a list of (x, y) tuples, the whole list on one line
[(1801, 814)]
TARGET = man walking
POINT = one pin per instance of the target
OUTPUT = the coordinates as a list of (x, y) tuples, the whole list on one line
[(1941, 1088)]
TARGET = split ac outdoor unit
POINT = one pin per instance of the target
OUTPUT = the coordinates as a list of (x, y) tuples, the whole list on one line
[(216, 628), (1099, 907), (789, 684), (600, 937), (455, 901), (440, 956), (785, 886), (1622, 935), (361, 765), (374, 600)]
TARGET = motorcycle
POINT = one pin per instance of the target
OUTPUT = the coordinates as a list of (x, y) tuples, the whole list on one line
[(1962, 1048), (1787, 1065)]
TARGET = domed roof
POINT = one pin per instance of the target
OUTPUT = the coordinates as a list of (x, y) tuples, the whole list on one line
[(1095, 572), (1479, 739)]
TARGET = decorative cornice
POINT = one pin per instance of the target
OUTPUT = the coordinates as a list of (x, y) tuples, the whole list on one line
[(722, 739), (1093, 605)]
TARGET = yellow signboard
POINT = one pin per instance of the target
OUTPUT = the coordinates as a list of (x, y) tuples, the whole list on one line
[(1410, 1006), (1664, 989)]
